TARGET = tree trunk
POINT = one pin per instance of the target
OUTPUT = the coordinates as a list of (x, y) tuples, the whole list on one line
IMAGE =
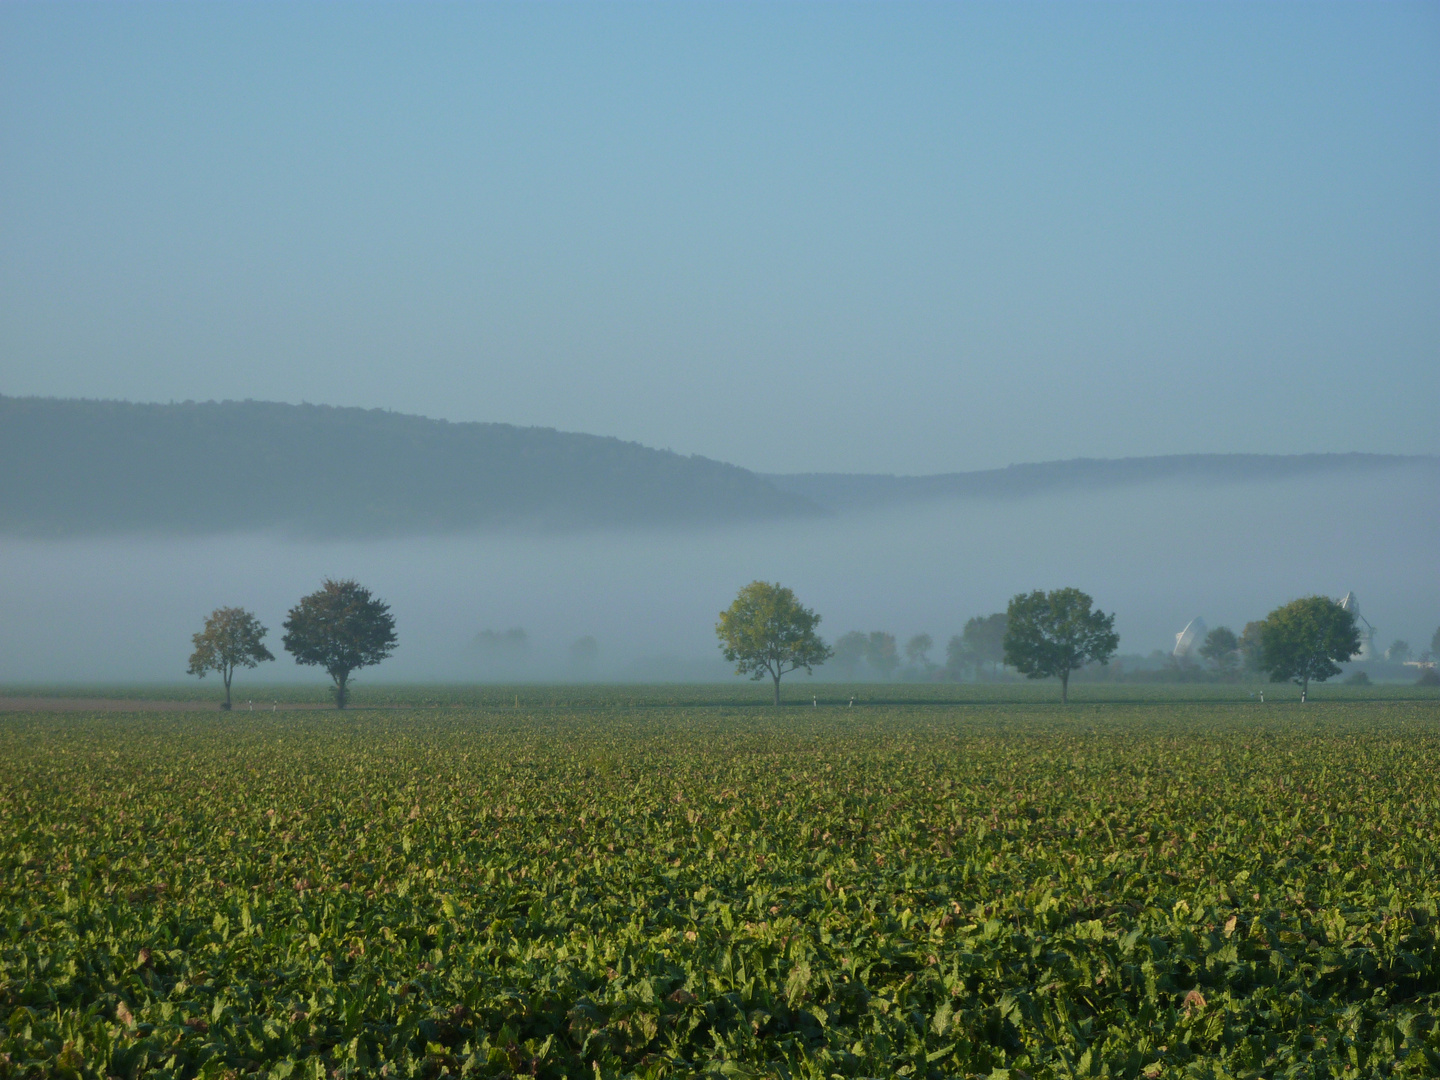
[(227, 674), (1065, 687), (342, 695), (777, 691)]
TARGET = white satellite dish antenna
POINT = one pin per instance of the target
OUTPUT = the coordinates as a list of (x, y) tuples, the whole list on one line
[(1189, 640)]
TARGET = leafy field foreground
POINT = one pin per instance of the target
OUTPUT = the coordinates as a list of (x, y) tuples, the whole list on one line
[(1132, 890)]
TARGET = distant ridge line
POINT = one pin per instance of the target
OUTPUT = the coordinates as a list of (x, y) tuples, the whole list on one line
[(854, 491), (85, 468), (82, 467)]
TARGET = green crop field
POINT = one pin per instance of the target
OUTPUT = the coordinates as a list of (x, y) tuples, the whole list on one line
[(796, 692), (637, 882)]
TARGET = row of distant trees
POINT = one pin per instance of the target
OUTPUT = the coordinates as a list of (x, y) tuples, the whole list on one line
[(978, 651), (340, 627), (1228, 652), (767, 632), (1400, 652), (979, 648)]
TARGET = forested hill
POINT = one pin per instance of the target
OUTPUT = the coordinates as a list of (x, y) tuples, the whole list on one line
[(71, 468), (85, 468), (840, 492)]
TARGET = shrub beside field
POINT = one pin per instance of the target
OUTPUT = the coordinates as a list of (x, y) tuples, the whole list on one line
[(1146, 890)]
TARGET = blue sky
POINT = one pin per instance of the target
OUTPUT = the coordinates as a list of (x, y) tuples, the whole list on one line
[(908, 238)]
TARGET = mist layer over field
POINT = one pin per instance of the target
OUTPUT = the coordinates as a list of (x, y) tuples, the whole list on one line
[(1157, 556)]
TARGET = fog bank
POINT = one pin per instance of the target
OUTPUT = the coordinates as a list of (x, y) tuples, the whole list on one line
[(123, 610)]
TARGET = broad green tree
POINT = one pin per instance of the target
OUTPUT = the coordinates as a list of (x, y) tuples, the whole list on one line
[(1399, 651), (232, 638), (1049, 635), (340, 627), (1306, 640), (767, 631), (1221, 648)]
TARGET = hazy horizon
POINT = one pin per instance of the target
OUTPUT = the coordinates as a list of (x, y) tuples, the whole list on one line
[(1157, 556)]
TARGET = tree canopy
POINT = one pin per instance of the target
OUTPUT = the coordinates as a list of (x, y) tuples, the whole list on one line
[(917, 650), (1221, 648), (232, 638), (876, 655), (881, 654), (981, 642), (1049, 635), (1251, 655), (340, 627), (1307, 639), (767, 631)]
